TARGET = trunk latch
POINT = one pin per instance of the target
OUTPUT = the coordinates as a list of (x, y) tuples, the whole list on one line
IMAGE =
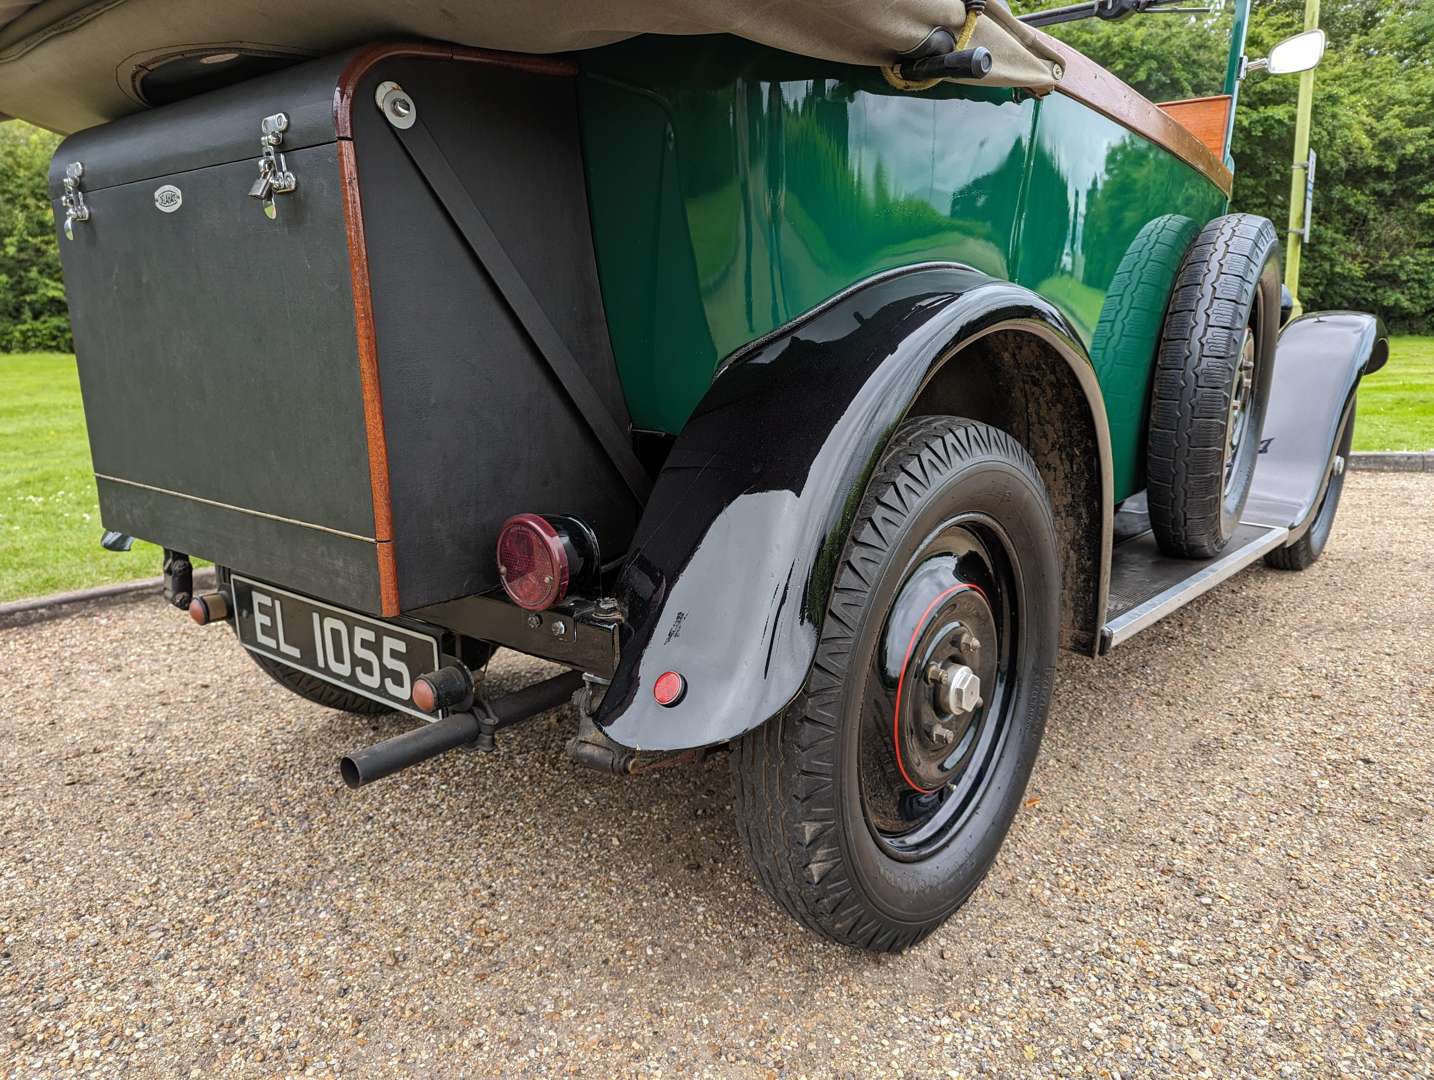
[(73, 200), (274, 175)]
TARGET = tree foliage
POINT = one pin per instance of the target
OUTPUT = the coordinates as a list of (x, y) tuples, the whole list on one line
[(1165, 57), (1372, 245), (1372, 242), (32, 298)]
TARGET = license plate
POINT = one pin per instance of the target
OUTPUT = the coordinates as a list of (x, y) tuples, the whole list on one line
[(369, 657)]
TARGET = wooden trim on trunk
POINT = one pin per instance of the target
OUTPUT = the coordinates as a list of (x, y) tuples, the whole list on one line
[(368, 380), (362, 61), (1089, 83), (367, 339)]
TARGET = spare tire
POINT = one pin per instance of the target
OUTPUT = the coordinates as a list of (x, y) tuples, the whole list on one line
[(1212, 385)]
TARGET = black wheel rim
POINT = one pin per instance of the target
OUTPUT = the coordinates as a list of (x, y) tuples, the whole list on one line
[(1246, 400), (929, 736)]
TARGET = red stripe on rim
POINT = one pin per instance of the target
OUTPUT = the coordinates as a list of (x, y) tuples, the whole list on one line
[(901, 679)]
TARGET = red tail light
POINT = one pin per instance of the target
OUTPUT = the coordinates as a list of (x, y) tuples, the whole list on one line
[(532, 562)]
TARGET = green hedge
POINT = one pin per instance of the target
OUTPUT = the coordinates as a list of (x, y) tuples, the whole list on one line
[(1372, 243), (32, 297)]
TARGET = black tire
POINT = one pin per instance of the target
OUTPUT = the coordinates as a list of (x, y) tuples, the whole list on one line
[(1211, 385), (1304, 552), (813, 802), (312, 688)]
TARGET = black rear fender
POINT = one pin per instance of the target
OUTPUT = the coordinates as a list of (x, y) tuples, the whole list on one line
[(730, 572)]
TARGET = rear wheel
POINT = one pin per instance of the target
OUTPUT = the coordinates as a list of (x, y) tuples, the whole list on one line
[(312, 688), (1303, 553), (875, 804), (1211, 387)]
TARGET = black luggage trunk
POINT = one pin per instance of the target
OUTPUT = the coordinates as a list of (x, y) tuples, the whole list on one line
[(337, 398)]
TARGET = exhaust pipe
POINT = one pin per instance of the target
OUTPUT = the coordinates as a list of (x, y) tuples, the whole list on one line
[(473, 729)]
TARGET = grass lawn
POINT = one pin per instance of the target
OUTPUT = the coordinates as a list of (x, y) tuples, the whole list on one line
[(50, 525), (1396, 405), (49, 522)]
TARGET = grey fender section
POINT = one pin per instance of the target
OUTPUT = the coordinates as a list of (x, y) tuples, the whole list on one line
[(1318, 364)]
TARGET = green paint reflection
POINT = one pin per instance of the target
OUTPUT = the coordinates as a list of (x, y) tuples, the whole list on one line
[(734, 187), (1098, 239)]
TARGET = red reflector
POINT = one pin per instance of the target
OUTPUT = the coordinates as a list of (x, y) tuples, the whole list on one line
[(532, 562), (669, 688)]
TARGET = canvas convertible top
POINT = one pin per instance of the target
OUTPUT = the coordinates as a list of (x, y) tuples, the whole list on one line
[(70, 64)]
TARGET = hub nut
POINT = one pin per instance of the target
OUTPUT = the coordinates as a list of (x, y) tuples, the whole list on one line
[(942, 735), (965, 641), (959, 689)]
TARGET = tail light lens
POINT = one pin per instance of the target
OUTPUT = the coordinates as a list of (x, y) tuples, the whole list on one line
[(669, 689), (533, 562)]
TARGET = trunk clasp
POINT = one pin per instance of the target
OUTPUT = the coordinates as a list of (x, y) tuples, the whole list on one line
[(274, 175), (73, 200)]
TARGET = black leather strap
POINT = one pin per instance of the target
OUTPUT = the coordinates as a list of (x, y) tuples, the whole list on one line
[(428, 158)]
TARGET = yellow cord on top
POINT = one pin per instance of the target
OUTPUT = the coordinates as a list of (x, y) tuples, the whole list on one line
[(968, 28), (963, 40)]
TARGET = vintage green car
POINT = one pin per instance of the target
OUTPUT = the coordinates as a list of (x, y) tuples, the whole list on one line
[(798, 377)]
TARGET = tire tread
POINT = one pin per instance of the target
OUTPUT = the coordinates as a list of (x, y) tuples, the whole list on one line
[(785, 771), (1190, 396), (319, 691)]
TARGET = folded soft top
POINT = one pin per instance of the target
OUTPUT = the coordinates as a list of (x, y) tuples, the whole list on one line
[(70, 64)]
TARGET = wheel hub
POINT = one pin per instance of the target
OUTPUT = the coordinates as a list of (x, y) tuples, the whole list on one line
[(934, 708), (939, 704), (1240, 394), (958, 688)]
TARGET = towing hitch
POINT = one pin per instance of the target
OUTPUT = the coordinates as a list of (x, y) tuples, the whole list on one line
[(473, 728), (178, 579)]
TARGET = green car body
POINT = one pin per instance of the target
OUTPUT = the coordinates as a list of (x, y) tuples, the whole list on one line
[(734, 187)]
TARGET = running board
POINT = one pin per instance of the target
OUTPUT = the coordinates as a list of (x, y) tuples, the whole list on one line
[(1147, 585)]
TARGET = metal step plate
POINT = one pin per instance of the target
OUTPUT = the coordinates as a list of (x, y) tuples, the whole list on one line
[(1147, 585)]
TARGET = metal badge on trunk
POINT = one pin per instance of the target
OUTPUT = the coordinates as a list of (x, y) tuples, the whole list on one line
[(274, 175), (168, 199)]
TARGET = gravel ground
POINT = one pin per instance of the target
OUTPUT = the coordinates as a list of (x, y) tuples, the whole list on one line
[(1225, 868)]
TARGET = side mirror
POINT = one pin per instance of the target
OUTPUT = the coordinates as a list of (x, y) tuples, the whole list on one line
[(1299, 53)]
